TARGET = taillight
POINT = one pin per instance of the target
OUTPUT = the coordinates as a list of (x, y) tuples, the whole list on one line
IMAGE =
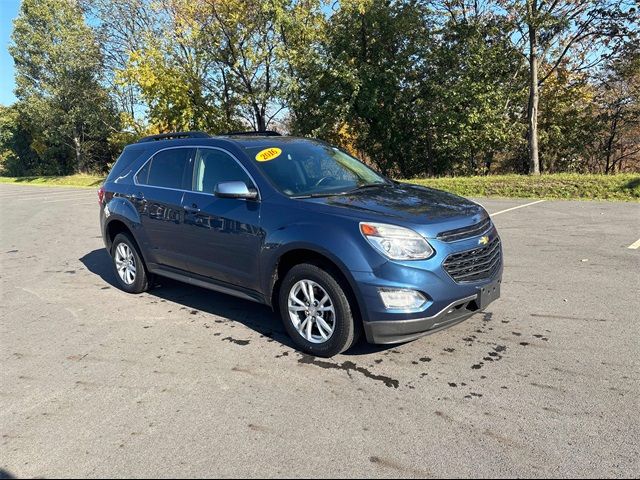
[(100, 195)]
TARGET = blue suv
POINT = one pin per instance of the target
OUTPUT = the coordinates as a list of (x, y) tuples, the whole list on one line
[(303, 227)]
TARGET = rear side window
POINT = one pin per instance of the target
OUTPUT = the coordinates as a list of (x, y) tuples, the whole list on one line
[(168, 169), (215, 166)]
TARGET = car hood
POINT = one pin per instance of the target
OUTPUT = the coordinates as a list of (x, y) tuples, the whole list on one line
[(428, 210)]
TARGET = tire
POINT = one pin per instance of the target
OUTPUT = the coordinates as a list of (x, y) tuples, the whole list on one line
[(122, 246), (336, 313)]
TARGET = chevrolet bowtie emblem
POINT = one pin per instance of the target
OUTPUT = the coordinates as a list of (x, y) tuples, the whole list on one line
[(483, 240)]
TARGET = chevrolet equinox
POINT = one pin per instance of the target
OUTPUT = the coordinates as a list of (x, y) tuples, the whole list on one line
[(301, 226)]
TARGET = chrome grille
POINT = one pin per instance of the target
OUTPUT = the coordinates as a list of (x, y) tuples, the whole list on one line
[(465, 232), (476, 264)]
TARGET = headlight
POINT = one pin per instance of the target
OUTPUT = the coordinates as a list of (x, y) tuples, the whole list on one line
[(396, 243)]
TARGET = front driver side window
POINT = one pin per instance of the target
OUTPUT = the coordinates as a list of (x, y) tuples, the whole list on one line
[(215, 166)]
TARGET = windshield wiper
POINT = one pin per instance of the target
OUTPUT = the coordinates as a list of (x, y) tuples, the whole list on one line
[(345, 192), (367, 185), (321, 194)]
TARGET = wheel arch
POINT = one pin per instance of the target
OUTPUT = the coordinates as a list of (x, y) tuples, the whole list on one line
[(305, 254), (113, 228), (117, 225), (120, 216)]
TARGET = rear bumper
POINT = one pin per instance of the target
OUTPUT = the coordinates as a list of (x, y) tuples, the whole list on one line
[(399, 331)]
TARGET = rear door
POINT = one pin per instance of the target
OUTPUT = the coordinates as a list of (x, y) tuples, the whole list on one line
[(221, 235), (158, 190)]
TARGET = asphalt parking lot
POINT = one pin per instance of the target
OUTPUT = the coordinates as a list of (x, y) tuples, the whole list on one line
[(182, 381)]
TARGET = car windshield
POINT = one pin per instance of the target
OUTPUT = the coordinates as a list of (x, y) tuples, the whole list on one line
[(300, 168)]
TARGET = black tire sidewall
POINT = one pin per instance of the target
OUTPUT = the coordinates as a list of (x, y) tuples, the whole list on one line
[(140, 284), (344, 331)]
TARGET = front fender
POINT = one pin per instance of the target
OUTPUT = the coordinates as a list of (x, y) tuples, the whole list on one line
[(333, 240)]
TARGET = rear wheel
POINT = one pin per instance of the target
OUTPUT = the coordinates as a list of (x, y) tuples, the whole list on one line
[(129, 267), (316, 312)]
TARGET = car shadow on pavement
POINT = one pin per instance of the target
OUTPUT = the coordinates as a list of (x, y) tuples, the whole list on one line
[(255, 316)]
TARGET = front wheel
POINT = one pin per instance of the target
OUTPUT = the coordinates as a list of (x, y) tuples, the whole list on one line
[(316, 312), (130, 270)]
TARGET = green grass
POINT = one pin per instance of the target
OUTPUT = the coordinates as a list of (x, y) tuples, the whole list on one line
[(564, 186), (87, 181)]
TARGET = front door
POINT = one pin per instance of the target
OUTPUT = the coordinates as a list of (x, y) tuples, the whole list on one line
[(221, 235)]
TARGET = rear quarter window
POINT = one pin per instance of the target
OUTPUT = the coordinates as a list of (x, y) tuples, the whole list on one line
[(127, 158)]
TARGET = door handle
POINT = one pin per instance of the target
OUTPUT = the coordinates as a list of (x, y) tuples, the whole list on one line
[(191, 209)]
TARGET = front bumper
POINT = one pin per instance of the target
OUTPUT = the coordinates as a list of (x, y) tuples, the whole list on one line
[(399, 331), (448, 302)]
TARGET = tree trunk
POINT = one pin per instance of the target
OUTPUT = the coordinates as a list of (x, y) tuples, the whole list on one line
[(488, 161), (227, 107), (261, 123), (534, 161), (609, 148), (78, 150)]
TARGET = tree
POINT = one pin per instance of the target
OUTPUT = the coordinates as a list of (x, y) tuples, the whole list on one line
[(215, 64), (578, 34), (248, 38), (173, 68), (414, 87), (619, 102), (122, 27), (58, 86), (364, 83), (474, 82), (17, 158), (567, 119)]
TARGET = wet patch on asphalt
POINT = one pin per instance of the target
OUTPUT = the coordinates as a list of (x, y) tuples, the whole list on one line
[(348, 367), (395, 355), (473, 395), (242, 343)]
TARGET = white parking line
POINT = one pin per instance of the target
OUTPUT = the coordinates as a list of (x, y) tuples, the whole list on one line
[(515, 208), (27, 195), (72, 199), (635, 245), (34, 194), (50, 197)]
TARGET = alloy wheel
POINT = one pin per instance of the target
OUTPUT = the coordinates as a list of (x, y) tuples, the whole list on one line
[(125, 263), (311, 311)]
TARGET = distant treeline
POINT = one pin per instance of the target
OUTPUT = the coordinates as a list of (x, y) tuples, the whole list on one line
[(415, 87)]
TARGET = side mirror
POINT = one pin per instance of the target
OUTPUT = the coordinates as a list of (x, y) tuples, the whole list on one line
[(235, 190)]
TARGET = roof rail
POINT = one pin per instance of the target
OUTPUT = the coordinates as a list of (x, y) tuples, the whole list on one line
[(265, 133), (174, 135)]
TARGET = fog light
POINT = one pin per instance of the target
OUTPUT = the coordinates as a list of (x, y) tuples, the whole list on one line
[(401, 299)]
